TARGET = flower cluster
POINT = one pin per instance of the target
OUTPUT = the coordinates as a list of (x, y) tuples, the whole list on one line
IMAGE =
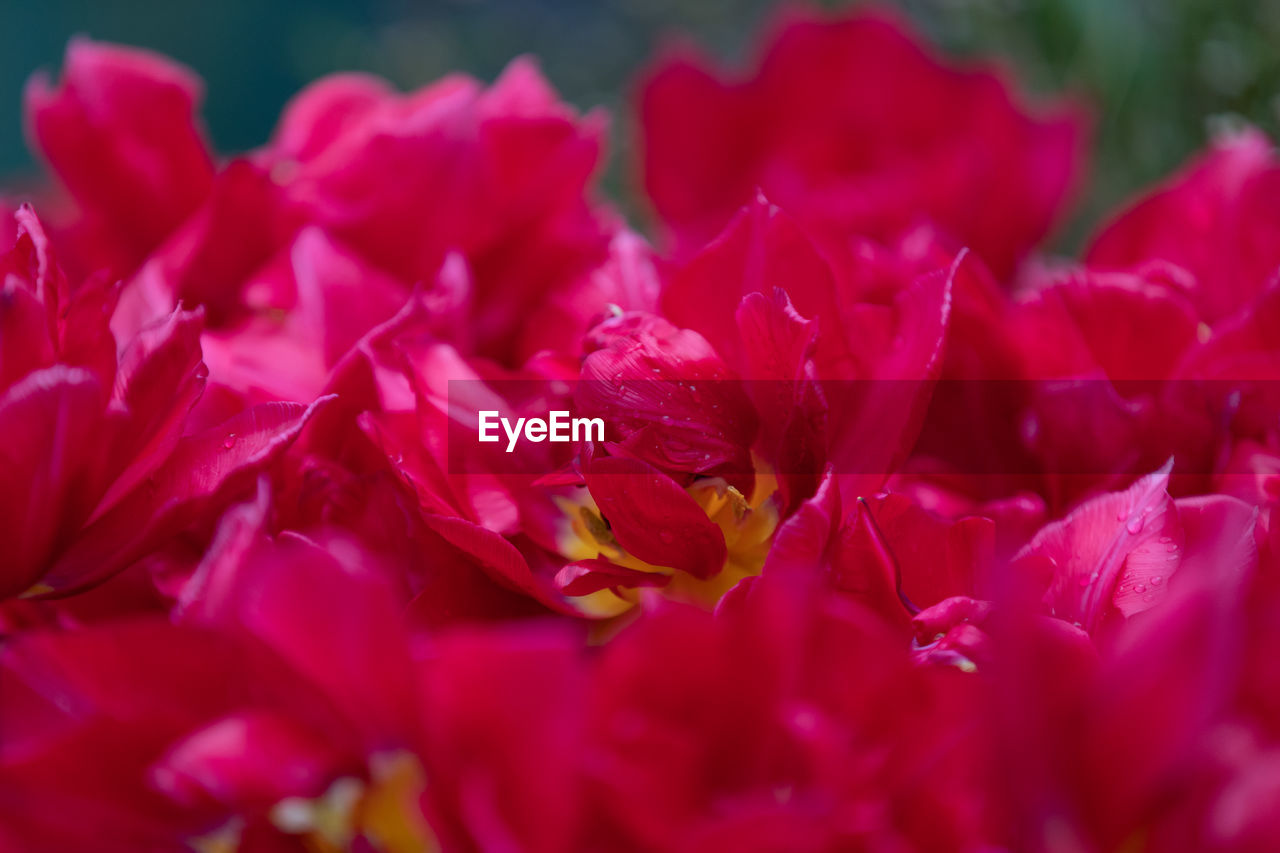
[(902, 534)]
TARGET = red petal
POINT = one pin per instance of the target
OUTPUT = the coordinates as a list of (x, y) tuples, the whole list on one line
[(24, 334), (778, 345), (50, 468), (322, 113), (1116, 551), (653, 518), (249, 762), (760, 250), (498, 557), (160, 378), (203, 473), (120, 131), (587, 576), (666, 396), (1215, 220)]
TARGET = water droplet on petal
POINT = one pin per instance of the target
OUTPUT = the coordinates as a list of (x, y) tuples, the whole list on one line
[(1135, 526), (1157, 580), (230, 441), (1140, 588)]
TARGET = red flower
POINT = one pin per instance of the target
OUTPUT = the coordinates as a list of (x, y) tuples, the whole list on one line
[(1215, 221), (264, 739), (715, 432), (363, 184), (98, 468), (788, 721), (873, 553), (121, 133), (850, 124)]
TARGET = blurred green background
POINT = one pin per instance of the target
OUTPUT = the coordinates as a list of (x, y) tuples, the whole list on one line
[(1160, 73)]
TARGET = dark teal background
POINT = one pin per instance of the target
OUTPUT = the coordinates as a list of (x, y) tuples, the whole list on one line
[(1160, 72)]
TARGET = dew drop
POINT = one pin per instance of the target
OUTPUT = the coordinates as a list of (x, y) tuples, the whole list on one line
[(1121, 514), (230, 441), (1135, 526), (1140, 588), (1148, 598), (1157, 580)]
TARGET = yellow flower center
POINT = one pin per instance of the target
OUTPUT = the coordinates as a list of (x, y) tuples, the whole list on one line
[(747, 525)]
